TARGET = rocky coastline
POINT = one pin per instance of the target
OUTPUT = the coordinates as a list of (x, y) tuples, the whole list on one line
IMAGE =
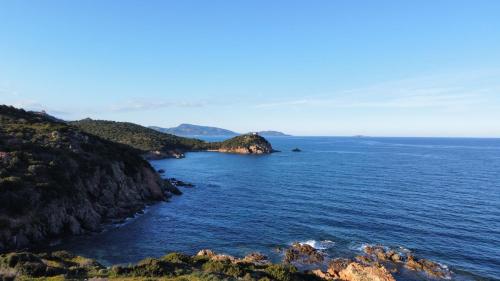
[(59, 178), (376, 264), (56, 180)]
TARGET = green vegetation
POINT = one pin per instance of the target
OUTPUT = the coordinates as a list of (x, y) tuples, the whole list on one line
[(147, 139), (139, 137), (175, 266), (55, 178), (243, 141), (36, 152)]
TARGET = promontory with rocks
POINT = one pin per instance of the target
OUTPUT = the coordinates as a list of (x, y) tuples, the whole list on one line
[(67, 178)]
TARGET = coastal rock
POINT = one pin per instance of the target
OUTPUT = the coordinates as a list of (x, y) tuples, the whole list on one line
[(431, 268), (177, 182), (169, 187), (319, 273), (256, 258), (336, 266), (379, 254), (358, 272), (205, 253), (303, 253)]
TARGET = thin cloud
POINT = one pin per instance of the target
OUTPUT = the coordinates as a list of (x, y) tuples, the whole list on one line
[(33, 105), (152, 105), (447, 92)]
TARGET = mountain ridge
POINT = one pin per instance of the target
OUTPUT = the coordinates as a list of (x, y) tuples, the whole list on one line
[(191, 130)]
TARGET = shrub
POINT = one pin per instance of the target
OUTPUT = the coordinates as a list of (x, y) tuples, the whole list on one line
[(177, 258), (222, 267), (281, 272)]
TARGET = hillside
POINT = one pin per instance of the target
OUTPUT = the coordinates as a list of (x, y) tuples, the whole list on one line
[(150, 142), (57, 180), (244, 144), (157, 145), (195, 130)]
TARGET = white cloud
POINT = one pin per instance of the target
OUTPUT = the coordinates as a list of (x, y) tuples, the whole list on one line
[(448, 92)]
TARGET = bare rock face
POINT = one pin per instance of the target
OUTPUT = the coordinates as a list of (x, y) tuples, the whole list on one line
[(336, 266), (379, 254), (359, 272), (431, 268)]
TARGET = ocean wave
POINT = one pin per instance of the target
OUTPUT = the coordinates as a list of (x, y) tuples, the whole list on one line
[(319, 245)]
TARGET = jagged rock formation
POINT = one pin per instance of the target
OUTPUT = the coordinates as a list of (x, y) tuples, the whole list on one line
[(57, 180)]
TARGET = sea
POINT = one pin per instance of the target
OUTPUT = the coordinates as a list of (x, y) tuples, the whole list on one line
[(436, 197)]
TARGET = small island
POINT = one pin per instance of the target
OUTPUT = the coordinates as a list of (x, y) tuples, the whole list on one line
[(296, 149)]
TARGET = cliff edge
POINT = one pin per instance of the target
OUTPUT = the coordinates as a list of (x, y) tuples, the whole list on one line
[(56, 179)]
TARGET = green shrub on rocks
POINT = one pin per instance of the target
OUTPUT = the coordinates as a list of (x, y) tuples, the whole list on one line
[(177, 258), (222, 267), (62, 265), (281, 272)]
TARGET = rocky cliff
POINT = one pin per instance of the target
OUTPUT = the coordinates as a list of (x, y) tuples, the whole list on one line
[(57, 180)]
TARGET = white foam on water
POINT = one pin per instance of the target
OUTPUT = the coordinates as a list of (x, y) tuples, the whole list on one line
[(319, 245)]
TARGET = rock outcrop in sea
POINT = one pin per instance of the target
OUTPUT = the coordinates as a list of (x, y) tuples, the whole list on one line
[(244, 144)]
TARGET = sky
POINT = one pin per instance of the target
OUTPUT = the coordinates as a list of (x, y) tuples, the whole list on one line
[(323, 68)]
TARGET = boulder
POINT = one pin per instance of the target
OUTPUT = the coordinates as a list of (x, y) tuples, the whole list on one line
[(303, 253), (256, 258)]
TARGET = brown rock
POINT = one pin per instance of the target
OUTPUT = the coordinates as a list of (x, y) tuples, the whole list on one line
[(256, 258), (303, 253), (429, 267), (322, 274), (205, 253), (336, 266), (358, 272), (411, 263)]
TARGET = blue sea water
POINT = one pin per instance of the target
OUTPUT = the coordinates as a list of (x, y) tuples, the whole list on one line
[(439, 197)]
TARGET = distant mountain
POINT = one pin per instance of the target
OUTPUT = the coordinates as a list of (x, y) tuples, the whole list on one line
[(195, 130), (189, 130), (272, 134)]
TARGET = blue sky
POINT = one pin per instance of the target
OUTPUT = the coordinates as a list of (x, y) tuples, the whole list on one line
[(380, 68)]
